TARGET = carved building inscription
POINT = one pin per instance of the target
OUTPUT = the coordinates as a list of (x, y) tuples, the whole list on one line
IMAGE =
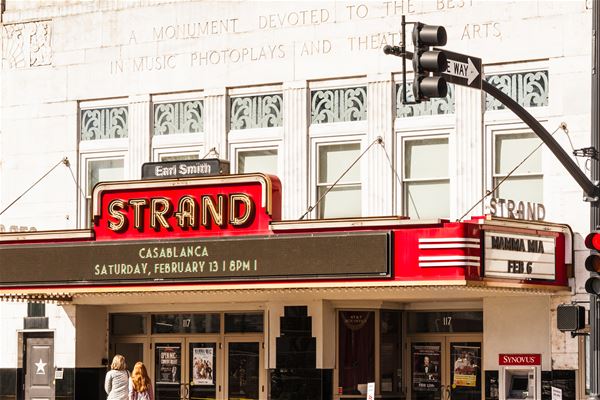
[(330, 36)]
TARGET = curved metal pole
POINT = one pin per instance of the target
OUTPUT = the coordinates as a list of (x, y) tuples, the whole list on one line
[(590, 189)]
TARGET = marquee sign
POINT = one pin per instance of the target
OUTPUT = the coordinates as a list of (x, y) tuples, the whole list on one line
[(519, 256), (358, 255), (208, 206)]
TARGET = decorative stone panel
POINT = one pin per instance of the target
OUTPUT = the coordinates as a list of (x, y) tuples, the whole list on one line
[(338, 105), (27, 45), (104, 123), (179, 117), (529, 89), (250, 112), (435, 106)]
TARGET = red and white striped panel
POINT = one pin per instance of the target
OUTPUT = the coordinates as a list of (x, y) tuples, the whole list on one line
[(449, 252)]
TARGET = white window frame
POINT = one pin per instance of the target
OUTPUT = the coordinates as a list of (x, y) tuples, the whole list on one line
[(334, 133), (198, 151), (84, 160), (314, 157), (491, 131), (178, 143), (419, 133), (101, 149), (236, 148)]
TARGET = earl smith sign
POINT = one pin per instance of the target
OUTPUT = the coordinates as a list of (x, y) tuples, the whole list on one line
[(519, 256)]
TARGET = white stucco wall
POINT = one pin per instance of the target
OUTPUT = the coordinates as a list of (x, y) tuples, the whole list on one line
[(516, 325), (11, 315)]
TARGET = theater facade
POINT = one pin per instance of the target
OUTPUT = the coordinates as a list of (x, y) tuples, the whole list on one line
[(339, 243), (201, 280)]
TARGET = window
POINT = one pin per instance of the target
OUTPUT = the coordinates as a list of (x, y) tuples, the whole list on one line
[(99, 170), (186, 323), (178, 126), (249, 322), (174, 156), (344, 199), (264, 161), (255, 129), (103, 144), (426, 182), (36, 310), (127, 324), (525, 184)]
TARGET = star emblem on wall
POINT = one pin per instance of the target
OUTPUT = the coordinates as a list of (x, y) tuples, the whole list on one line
[(40, 367)]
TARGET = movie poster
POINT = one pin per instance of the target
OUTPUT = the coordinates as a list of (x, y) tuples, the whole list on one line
[(466, 361), (169, 364), (202, 362), (426, 358)]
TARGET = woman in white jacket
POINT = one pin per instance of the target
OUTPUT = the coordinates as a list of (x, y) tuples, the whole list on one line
[(116, 383)]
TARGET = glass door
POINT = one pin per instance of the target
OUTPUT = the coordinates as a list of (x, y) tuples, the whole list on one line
[(427, 359), (245, 380), (465, 368), (167, 370), (187, 369), (203, 371), (133, 350), (445, 367)]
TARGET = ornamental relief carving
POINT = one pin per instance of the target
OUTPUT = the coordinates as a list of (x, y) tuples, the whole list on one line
[(434, 106), (104, 123), (529, 89), (339, 105), (178, 117), (27, 45), (256, 111)]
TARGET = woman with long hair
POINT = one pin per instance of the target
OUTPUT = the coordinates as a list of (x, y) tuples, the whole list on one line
[(116, 379), (140, 385)]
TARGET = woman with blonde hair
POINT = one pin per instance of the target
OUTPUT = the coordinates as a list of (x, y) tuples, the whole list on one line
[(116, 381), (140, 386)]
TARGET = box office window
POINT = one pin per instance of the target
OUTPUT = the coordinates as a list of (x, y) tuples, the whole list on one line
[(127, 324), (244, 322), (186, 323), (432, 322)]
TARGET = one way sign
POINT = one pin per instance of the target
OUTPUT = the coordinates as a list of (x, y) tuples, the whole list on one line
[(462, 69)]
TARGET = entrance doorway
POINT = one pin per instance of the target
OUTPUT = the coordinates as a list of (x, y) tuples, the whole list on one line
[(208, 367), (444, 367)]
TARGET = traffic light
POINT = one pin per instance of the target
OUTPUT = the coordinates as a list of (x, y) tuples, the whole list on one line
[(592, 263), (429, 64)]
